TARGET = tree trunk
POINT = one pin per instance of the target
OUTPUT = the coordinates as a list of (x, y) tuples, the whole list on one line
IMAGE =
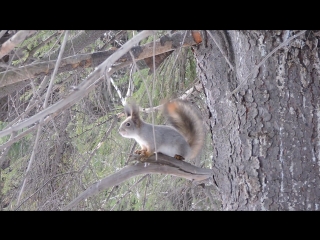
[(265, 136)]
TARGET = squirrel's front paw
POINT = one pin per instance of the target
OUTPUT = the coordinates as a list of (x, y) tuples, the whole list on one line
[(144, 154)]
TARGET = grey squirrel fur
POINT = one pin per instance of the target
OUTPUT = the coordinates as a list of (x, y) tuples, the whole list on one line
[(183, 138)]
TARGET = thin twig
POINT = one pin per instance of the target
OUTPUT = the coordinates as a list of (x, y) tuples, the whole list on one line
[(6, 150), (118, 91), (145, 192), (174, 62), (93, 152), (128, 191), (42, 119), (149, 98), (36, 48), (58, 175), (16, 39), (222, 52), (83, 87)]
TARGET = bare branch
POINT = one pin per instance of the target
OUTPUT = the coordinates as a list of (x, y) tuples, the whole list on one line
[(6, 150), (79, 42), (118, 91), (9, 45), (42, 120), (55, 69), (36, 48), (163, 165), (29, 130), (2, 32), (76, 95), (164, 44), (39, 189), (47, 119), (185, 95)]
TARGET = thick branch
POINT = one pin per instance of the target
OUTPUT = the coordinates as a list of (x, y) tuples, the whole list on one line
[(79, 42), (2, 32), (14, 41), (79, 93), (164, 44), (163, 165)]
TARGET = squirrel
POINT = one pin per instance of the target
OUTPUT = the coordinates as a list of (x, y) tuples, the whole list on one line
[(182, 140)]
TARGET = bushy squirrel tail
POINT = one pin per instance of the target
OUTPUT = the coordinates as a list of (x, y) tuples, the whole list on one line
[(186, 119)]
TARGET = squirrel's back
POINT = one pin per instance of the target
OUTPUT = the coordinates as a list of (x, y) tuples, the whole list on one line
[(186, 119)]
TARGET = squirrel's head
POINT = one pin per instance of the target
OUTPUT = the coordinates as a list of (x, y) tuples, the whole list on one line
[(130, 127)]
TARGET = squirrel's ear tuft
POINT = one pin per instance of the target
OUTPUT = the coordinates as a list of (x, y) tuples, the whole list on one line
[(132, 110), (129, 108), (135, 114)]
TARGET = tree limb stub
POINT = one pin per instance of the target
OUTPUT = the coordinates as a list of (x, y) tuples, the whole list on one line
[(163, 164), (164, 44)]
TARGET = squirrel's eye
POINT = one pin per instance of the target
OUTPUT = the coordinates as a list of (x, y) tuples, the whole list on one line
[(128, 124)]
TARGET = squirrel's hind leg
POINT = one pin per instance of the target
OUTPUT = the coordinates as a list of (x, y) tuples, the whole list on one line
[(139, 151), (178, 157)]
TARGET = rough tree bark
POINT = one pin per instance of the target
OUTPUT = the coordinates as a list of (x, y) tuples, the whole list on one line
[(266, 143)]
